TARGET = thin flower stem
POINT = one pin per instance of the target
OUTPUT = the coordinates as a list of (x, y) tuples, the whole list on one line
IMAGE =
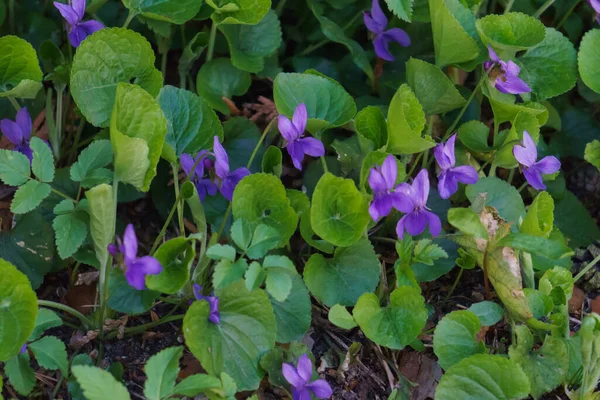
[(415, 163), (175, 168), (511, 175), (280, 7), (584, 271), (211, 42), (509, 6), (61, 194), (523, 186), (163, 64), (566, 16), (143, 328), (130, 16), (543, 8), (455, 283), (14, 102), (76, 141), (11, 16), (324, 164), (84, 320), (59, 113)]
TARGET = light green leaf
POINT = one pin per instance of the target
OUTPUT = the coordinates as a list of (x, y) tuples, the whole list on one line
[(137, 133), (98, 384), (376, 158), (192, 52), (474, 135), (20, 374), (125, 298), (509, 33), (90, 161), (228, 272), (403, 9), (247, 325), (19, 68), (293, 315), (405, 123), (50, 353), (14, 168), (102, 219), (249, 12), (592, 153), (339, 213), (500, 195), (191, 123), (327, 102), (483, 377), (575, 221), (452, 43), (426, 252), (545, 367), (161, 370), (70, 228), (45, 319), (467, 221), (272, 162), (265, 238), (221, 252), (29, 196), (523, 121), (174, 11), (241, 233), (489, 313), (539, 219), (255, 276), (176, 257), (249, 45), (340, 317), (370, 124), (43, 162), (18, 310), (456, 338), (280, 271), (250, 203), (342, 279), (218, 78), (398, 324), (434, 90), (551, 249), (104, 59), (589, 58), (195, 384), (550, 68)]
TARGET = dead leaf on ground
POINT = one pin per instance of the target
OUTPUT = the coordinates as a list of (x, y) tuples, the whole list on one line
[(82, 298), (596, 305), (423, 371), (576, 301), (78, 340)]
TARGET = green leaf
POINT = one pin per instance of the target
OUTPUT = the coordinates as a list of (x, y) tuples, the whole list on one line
[(452, 43), (14, 168), (339, 213), (18, 310), (161, 370), (191, 123), (20, 374), (137, 133), (265, 238), (125, 298), (500, 195), (405, 124), (327, 102), (551, 249), (474, 135), (249, 45), (50, 353), (592, 153), (45, 319), (403, 9), (192, 52), (545, 367), (376, 158), (29, 196), (489, 313), (280, 271), (249, 12), (340, 317), (293, 315), (539, 219), (92, 160), (426, 252), (228, 272), (342, 279), (434, 90), (98, 384), (550, 68), (509, 33), (575, 221), (250, 203), (195, 384), (241, 137), (456, 338), (70, 228), (478, 377), (107, 57), (218, 78), (174, 11), (221, 252), (176, 257), (398, 324), (467, 221), (588, 59), (102, 219), (370, 124), (272, 162), (241, 233), (43, 162), (19, 69), (255, 276), (228, 347), (29, 247)]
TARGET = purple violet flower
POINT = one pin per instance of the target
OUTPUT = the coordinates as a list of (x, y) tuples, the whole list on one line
[(300, 377), (136, 268), (227, 180), (204, 186), (595, 4), (451, 175), (376, 22), (23, 349), (526, 155), (73, 13), (19, 132), (213, 302), (297, 146), (506, 78), (414, 206), (382, 179)]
